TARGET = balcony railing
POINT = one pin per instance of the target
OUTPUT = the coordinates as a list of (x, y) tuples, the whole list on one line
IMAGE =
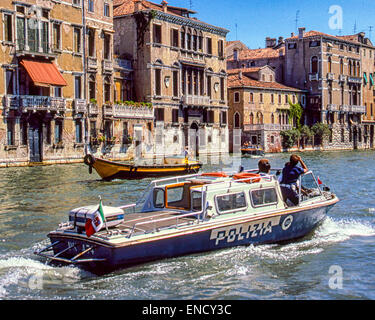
[(267, 126), (80, 105), (330, 76), (93, 109), (352, 79), (196, 100), (353, 108), (122, 63), (313, 76), (92, 63), (128, 111), (342, 78), (107, 65), (35, 103), (333, 107)]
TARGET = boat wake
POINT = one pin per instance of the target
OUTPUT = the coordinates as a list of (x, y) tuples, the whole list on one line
[(328, 233), (22, 275)]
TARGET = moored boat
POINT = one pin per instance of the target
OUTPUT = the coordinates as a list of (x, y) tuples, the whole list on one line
[(110, 170), (185, 215)]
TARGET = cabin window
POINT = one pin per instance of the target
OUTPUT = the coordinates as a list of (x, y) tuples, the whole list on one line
[(159, 197), (231, 202), (174, 195), (196, 201), (263, 197)]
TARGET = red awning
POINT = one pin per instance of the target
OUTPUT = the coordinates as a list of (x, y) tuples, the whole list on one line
[(43, 73)]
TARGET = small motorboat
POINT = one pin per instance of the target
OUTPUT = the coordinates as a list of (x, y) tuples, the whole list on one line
[(185, 215), (252, 151), (110, 170)]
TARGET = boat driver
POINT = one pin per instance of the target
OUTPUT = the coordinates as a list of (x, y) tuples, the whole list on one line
[(290, 175), (264, 167)]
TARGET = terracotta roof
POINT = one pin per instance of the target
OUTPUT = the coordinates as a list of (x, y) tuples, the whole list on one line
[(263, 53), (234, 80), (350, 38), (244, 70)]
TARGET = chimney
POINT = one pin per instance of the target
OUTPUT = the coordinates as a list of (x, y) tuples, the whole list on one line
[(281, 39), (164, 4), (292, 34), (137, 5), (240, 74), (270, 42), (301, 32)]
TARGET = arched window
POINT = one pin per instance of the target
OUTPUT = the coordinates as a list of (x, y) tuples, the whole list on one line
[(314, 64), (251, 97), (272, 118), (236, 120), (251, 118), (350, 68), (358, 69)]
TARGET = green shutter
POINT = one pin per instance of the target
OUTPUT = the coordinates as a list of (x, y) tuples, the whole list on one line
[(371, 79), (365, 77)]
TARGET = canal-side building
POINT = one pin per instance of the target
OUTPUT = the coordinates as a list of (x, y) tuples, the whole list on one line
[(334, 71), (258, 105), (57, 78), (180, 68), (272, 55)]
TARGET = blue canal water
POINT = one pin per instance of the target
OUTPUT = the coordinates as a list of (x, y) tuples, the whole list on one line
[(336, 261)]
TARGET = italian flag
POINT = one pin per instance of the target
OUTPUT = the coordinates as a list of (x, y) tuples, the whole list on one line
[(94, 225)]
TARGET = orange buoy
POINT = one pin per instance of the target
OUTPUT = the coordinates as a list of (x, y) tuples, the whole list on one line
[(253, 177), (214, 174)]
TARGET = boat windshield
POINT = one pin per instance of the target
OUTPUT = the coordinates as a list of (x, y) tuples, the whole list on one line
[(309, 187)]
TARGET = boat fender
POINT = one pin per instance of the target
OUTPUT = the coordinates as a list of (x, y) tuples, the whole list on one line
[(254, 177), (214, 174), (89, 160)]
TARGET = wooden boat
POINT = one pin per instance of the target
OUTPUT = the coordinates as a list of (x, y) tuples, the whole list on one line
[(109, 170), (186, 215), (252, 151)]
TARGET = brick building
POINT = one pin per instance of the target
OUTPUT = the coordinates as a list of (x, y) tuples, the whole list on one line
[(336, 72), (57, 78), (259, 106), (179, 67)]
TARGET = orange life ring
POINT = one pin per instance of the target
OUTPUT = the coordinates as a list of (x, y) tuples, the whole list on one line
[(214, 174), (254, 177)]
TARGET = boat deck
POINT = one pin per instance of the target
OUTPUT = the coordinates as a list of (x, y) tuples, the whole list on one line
[(147, 222)]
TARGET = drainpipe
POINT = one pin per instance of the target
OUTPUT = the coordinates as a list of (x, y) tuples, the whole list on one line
[(84, 75)]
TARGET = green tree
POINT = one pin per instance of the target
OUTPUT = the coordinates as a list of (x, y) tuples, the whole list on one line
[(290, 137), (321, 131), (306, 134)]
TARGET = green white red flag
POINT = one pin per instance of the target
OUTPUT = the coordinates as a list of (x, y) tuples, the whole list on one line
[(96, 223)]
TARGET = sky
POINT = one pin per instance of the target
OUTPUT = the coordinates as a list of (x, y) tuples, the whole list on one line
[(258, 19)]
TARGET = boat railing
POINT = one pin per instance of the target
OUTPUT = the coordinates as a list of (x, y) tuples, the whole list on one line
[(131, 206), (138, 226)]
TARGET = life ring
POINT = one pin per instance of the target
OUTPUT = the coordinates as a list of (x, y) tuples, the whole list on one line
[(215, 174), (254, 177), (89, 160)]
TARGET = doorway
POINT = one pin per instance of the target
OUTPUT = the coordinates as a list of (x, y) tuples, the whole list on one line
[(194, 135), (35, 139)]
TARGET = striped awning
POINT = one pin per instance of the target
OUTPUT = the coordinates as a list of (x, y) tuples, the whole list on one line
[(43, 73)]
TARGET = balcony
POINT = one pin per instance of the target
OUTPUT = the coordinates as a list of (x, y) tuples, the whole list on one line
[(353, 109), (92, 63), (122, 64), (333, 107), (107, 65), (314, 76), (80, 105), (93, 109), (196, 100), (330, 76), (267, 126), (352, 79), (35, 103), (342, 78), (128, 111)]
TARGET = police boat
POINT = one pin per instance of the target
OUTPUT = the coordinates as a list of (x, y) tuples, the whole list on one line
[(186, 215)]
